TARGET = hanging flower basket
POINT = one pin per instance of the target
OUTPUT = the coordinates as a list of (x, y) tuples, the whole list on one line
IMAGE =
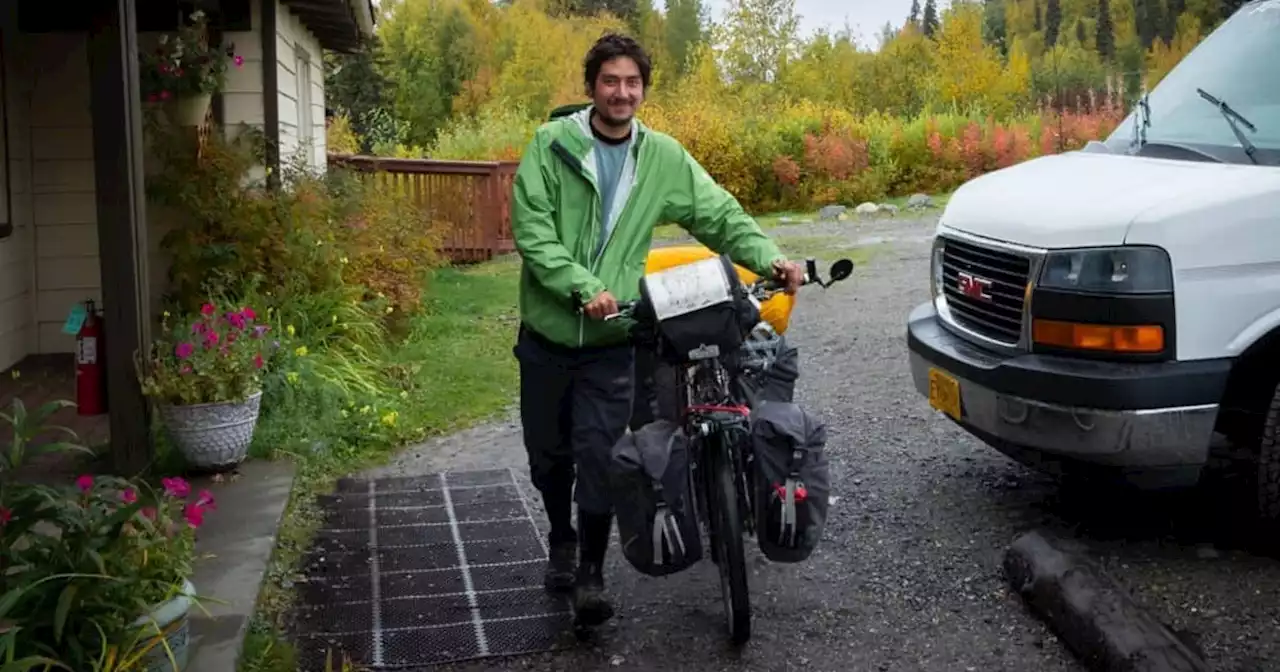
[(213, 436), (181, 74), (188, 110), (166, 629)]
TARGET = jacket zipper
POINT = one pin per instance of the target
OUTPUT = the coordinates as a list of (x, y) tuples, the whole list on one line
[(597, 221), (595, 263)]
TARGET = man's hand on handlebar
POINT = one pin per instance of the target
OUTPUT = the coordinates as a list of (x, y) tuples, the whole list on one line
[(602, 306), (790, 274)]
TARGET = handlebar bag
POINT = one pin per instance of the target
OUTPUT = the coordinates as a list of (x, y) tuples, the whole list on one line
[(768, 368), (653, 501), (701, 309), (792, 480)]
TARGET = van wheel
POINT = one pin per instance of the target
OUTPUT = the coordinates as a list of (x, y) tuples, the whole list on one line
[(1269, 462)]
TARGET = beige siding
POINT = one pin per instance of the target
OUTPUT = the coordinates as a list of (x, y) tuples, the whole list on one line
[(62, 187), (243, 94), (300, 77), (64, 209), (242, 91), (17, 252)]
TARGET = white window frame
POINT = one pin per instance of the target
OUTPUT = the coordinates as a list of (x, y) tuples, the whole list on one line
[(306, 125)]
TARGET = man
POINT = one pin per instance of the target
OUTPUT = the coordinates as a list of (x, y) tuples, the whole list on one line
[(589, 190)]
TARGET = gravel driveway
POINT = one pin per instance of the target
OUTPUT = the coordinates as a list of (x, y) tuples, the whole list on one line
[(908, 575)]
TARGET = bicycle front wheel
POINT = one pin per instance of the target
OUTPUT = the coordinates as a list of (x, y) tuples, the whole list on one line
[(731, 555)]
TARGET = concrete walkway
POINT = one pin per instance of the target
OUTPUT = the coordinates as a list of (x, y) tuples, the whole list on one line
[(239, 536)]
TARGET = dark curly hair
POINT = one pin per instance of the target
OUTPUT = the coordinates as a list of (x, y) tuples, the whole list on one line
[(609, 47)]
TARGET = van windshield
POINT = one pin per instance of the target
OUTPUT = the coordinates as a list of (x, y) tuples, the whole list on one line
[(1235, 64)]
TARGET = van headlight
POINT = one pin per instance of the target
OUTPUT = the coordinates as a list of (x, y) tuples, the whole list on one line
[(935, 268), (1108, 270)]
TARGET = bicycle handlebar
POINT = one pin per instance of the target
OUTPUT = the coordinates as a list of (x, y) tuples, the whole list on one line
[(760, 289)]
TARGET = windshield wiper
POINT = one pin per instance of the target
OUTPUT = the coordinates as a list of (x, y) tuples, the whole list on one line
[(1141, 122), (1234, 119)]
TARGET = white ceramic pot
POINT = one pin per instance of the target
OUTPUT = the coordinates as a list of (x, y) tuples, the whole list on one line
[(213, 436), (168, 622)]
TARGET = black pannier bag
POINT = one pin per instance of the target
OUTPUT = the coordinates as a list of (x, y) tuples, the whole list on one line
[(792, 480), (701, 309), (768, 368), (653, 499)]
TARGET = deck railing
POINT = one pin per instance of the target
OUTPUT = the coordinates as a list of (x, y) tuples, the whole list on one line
[(472, 197)]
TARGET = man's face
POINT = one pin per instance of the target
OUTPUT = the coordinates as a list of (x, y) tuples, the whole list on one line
[(618, 91)]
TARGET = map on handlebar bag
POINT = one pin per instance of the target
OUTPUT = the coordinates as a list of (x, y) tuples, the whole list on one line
[(689, 287)]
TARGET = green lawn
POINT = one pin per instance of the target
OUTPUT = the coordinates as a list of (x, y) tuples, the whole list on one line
[(456, 359)]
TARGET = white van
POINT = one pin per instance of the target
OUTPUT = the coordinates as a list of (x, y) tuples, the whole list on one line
[(1103, 312)]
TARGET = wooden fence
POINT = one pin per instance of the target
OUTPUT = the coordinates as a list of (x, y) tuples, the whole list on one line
[(472, 197)]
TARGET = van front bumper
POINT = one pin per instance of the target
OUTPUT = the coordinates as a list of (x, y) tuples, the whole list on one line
[(1153, 422)]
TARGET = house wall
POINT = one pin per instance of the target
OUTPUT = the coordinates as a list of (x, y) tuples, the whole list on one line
[(51, 261), (17, 251), (62, 183), (299, 76)]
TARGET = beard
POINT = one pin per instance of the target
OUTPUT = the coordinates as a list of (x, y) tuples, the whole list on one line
[(615, 122)]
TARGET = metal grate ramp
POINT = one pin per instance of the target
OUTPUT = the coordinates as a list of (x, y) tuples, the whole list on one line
[(419, 571)]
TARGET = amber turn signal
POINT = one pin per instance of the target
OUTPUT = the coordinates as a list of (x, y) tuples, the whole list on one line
[(1143, 338)]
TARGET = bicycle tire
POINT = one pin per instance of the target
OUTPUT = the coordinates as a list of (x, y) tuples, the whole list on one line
[(732, 562)]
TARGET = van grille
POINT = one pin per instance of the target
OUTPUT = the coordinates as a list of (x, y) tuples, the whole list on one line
[(998, 313)]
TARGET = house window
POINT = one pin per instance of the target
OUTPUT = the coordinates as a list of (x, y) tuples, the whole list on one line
[(306, 126)]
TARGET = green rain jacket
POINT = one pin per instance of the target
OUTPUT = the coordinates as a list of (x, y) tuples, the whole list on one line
[(556, 221)]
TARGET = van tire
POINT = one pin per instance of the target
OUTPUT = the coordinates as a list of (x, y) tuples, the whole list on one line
[(1268, 469)]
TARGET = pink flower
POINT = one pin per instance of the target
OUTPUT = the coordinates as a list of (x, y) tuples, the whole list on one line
[(128, 496), (184, 350), (199, 328), (194, 515), (239, 60), (210, 338), (248, 313), (205, 501), (257, 361), (5, 516), (236, 319), (176, 487), (207, 309), (148, 512), (85, 483), (164, 95)]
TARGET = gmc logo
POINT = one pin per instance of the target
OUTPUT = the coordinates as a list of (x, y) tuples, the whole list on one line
[(974, 287)]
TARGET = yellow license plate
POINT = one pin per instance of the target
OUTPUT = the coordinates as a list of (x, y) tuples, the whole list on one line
[(944, 393)]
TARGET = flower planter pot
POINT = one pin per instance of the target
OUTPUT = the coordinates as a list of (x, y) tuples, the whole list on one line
[(188, 110), (167, 624), (213, 436)]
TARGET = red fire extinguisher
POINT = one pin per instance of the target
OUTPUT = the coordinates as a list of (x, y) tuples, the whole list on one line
[(91, 392)]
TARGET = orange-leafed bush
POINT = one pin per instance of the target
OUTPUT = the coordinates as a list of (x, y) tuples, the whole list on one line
[(313, 234), (800, 155)]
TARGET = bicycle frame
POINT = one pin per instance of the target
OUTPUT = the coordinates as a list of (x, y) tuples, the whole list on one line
[(711, 419)]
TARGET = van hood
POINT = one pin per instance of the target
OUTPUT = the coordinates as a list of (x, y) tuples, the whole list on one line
[(1083, 199)]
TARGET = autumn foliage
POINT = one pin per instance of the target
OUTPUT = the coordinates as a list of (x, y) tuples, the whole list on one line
[(780, 120)]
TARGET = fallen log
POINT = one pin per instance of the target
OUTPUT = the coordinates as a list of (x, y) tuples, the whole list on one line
[(1096, 618)]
